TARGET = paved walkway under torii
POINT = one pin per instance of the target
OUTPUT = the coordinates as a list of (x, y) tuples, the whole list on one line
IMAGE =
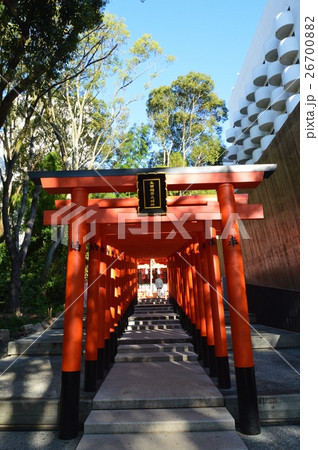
[(185, 235)]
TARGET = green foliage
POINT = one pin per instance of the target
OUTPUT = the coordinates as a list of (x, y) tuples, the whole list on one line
[(37, 293), (37, 40), (135, 150), (176, 160), (88, 131), (12, 323), (186, 118)]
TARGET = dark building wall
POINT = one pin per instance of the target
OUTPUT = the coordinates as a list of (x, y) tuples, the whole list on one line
[(271, 256)]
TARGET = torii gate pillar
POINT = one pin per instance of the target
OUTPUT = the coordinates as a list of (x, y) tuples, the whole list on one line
[(238, 308), (73, 322)]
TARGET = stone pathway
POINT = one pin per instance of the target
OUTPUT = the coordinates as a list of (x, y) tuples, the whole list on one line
[(157, 394)]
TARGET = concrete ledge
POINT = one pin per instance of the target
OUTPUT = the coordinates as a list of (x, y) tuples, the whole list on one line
[(216, 440), (272, 409), (265, 338), (33, 414), (159, 420)]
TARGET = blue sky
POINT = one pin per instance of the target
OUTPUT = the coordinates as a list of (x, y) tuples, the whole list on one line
[(206, 36)]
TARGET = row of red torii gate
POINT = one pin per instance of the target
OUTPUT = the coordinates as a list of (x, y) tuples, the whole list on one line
[(181, 228)]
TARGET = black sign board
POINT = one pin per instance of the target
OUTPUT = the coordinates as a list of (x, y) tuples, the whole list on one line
[(152, 193)]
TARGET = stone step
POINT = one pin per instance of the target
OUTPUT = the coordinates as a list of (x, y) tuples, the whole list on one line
[(216, 440), (154, 301), (149, 310), (138, 321), (167, 326), (43, 412), (50, 343), (149, 385), (147, 348), (155, 340), (159, 420), (262, 337), (151, 307), (47, 343), (154, 316), (157, 301), (156, 357)]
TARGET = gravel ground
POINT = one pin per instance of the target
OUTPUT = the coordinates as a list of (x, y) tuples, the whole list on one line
[(271, 438), (274, 438)]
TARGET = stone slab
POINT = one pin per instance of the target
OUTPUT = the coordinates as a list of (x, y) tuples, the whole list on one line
[(157, 385), (159, 420), (216, 440)]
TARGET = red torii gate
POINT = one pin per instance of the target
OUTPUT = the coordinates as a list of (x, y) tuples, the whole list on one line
[(189, 278)]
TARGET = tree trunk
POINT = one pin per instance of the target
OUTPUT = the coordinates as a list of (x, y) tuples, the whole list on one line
[(15, 286), (17, 256), (51, 252)]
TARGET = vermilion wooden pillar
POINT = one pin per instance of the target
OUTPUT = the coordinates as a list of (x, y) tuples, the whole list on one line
[(92, 313), (107, 313), (171, 278), (238, 308), (113, 305), (196, 332), (208, 308), (185, 291), (191, 293), (101, 312), (178, 284), (203, 335), (191, 284), (221, 352), (73, 322)]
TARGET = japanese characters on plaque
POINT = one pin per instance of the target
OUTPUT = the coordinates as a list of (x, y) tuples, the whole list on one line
[(152, 193)]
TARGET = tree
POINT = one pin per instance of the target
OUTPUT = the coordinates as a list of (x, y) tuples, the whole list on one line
[(186, 118), (88, 113), (19, 140), (63, 106), (37, 40)]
